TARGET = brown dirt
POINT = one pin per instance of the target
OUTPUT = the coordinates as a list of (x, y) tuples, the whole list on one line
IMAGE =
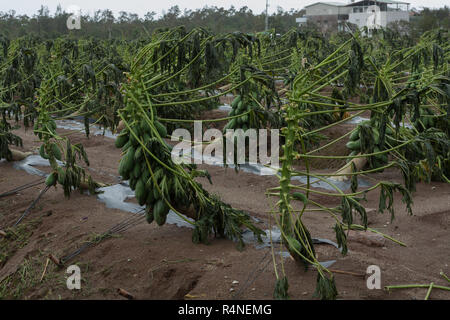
[(154, 262)]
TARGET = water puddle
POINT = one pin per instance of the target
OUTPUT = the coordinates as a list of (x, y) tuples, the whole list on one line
[(225, 107), (29, 163), (357, 120), (327, 184), (75, 125), (116, 196), (273, 236)]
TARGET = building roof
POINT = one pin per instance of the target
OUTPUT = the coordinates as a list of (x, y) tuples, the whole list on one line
[(333, 4), (378, 1), (340, 4)]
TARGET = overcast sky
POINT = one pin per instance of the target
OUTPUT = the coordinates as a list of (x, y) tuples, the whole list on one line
[(140, 7)]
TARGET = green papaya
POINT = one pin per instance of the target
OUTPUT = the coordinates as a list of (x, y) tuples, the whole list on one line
[(134, 141), (137, 170), (138, 153), (126, 146), (121, 140), (61, 176), (300, 196), (140, 192), (51, 179), (128, 159), (235, 102), (42, 152), (294, 244), (376, 136), (145, 127), (133, 183), (150, 198), (161, 129), (145, 174), (146, 138), (55, 151), (156, 194), (160, 212), (354, 145), (149, 215), (389, 131), (355, 135)]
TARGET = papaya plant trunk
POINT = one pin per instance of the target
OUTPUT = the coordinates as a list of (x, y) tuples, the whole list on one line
[(347, 169)]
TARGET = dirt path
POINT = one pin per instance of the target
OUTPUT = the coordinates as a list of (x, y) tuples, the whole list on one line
[(162, 263)]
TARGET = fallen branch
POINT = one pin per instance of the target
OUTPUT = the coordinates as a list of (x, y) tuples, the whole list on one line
[(409, 286), (429, 291), (125, 294)]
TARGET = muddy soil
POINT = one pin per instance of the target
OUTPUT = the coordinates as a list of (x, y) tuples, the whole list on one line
[(154, 262)]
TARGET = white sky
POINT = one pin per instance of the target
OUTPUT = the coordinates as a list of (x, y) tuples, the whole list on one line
[(140, 7)]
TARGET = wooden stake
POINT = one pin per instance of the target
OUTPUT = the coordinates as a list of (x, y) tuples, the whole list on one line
[(54, 260), (125, 294), (349, 273), (45, 269)]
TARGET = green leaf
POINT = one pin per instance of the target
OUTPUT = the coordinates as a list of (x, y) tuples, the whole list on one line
[(281, 289)]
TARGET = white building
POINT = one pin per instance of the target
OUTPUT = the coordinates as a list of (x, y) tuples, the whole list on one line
[(377, 14), (332, 16)]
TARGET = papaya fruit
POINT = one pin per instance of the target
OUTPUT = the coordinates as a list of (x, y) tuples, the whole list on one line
[(160, 212), (140, 192), (128, 159), (121, 140), (149, 216), (355, 135), (61, 176), (235, 102), (51, 179), (42, 152), (300, 196), (161, 129), (55, 151), (354, 145)]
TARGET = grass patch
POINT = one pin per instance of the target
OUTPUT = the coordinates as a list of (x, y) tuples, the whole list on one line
[(29, 281), (16, 238), (26, 282)]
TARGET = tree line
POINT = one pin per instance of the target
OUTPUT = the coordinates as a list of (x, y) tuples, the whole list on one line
[(125, 25)]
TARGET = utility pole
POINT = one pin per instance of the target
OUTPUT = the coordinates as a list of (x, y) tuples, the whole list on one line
[(267, 15)]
